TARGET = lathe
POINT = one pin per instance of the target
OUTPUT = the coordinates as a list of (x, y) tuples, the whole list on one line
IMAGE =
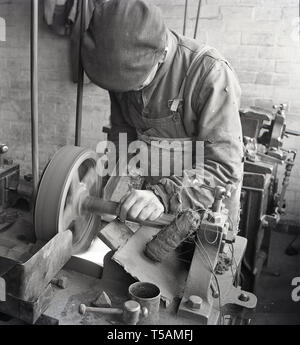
[(69, 214), (263, 200)]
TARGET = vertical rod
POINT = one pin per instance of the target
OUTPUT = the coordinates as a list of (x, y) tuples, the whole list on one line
[(185, 16), (78, 124), (197, 19), (34, 93)]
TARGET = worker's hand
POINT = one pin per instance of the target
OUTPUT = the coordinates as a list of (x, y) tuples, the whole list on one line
[(140, 205)]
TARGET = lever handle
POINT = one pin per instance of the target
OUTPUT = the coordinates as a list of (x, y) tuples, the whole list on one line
[(292, 132), (101, 207)]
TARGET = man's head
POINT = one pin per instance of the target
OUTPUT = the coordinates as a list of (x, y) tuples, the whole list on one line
[(124, 44)]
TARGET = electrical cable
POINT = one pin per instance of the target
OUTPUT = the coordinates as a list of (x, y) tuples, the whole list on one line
[(205, 234), (212, 271)]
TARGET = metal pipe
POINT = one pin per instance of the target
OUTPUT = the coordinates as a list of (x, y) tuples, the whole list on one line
[(34, 93), (185, 16), (78, 124), (197, 19)]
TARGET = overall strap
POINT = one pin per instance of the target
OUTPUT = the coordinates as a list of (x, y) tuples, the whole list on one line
[(175, 102)]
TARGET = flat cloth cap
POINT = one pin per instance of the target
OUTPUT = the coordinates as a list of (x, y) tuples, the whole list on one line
[(124, 41)]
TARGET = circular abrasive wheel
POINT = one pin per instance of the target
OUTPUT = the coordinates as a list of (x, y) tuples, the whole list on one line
[(71, 170)]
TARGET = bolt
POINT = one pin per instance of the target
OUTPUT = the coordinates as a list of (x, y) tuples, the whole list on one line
[(244, 297), (3, 148), (216, 218), (60, 282), (194, 302), (82, 309)]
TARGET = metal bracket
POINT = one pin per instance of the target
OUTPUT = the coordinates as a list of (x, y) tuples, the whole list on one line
[(200, 276)]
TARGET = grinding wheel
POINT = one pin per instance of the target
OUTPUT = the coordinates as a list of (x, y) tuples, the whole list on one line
[(70, 173)]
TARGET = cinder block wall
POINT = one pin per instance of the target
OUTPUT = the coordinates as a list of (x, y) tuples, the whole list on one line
[(259, 37)]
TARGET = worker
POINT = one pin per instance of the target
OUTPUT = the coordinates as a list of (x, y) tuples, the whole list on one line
[(166, 86)]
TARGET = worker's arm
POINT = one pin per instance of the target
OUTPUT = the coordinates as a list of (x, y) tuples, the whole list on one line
[(215, 101), (140, 204)]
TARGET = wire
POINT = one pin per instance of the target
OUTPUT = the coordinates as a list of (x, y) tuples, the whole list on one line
[(205, 234), (213, 273)]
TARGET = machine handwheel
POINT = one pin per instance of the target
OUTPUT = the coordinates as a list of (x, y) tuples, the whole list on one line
[(70, 173)]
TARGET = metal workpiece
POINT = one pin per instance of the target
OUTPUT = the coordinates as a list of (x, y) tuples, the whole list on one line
[(220, 194)]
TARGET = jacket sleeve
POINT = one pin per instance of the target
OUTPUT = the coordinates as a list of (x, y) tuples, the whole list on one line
[(215, 101)]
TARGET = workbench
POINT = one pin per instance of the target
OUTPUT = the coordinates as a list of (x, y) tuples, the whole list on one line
[(84, 288)]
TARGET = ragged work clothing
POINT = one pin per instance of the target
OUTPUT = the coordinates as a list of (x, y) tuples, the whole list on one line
[(209, 112)]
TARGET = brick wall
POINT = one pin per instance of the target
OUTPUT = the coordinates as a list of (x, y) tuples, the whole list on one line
[(57, 94), (259, 37)]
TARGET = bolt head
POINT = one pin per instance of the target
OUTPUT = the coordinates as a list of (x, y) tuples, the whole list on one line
[(216, 218), (132, 306), (62, 282), (215, 294), (3, 149), (194, 302), (82, 309), (244, 297)]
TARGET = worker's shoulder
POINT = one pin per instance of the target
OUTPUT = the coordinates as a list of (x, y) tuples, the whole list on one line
[(188, 48)]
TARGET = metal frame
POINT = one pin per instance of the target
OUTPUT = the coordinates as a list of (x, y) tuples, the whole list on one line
[(78, 124), (34, 89), (34, 93)]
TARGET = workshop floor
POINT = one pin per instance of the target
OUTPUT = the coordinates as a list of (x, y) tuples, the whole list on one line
[(275, 305)]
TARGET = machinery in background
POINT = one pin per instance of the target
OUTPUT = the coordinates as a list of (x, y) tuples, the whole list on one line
[(263, 192), (12, 188), (9, 177)]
